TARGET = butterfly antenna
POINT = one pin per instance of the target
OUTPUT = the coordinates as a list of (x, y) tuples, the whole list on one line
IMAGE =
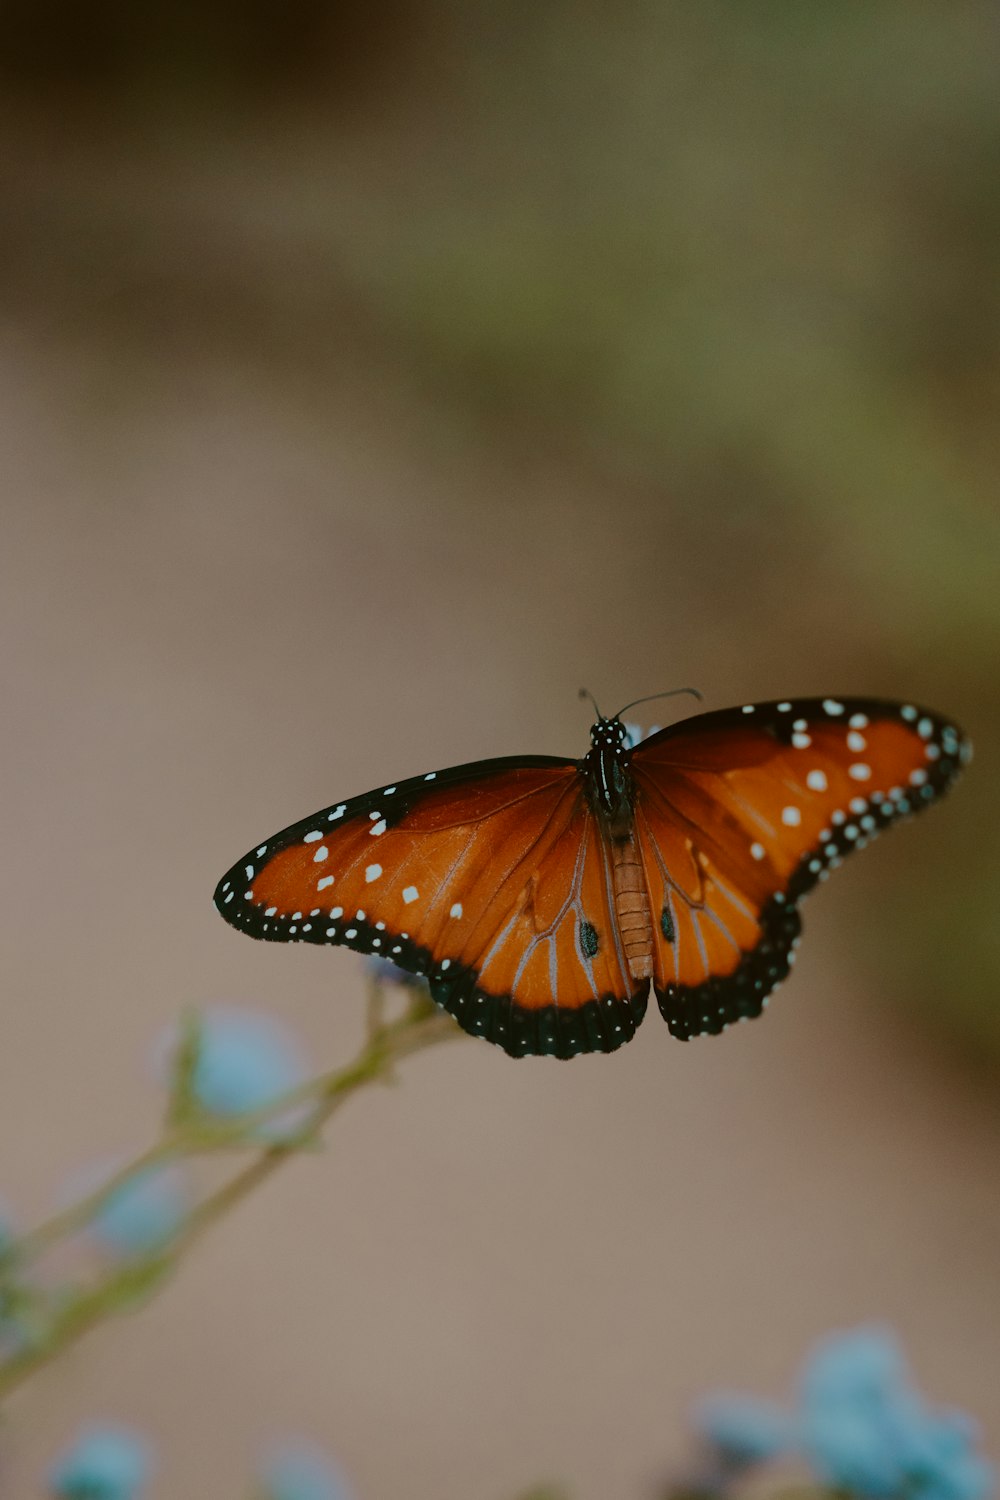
[(672, 693), (586, 693)]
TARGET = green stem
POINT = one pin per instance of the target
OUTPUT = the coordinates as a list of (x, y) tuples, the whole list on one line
[(127, 1284)]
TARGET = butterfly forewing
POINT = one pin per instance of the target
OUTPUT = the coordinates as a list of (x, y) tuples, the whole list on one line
[(490, 879), (739, 813)]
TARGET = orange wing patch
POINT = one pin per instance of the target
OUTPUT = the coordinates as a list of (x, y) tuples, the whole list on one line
[(741, 814), (494, 888), (554, 979)]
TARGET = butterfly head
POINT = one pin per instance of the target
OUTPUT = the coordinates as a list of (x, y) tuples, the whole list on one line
[(608, 734), (606, 771)]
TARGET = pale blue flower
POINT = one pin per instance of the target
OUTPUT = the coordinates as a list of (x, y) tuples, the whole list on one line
[(104, 1463), (143, 1215), (300, 1471), (245, 1060), (742, 1430), (865, 1428), (386, 972), (860, 1423), (635, 734)]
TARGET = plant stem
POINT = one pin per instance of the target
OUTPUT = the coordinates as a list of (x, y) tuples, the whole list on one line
[(127, 1284)]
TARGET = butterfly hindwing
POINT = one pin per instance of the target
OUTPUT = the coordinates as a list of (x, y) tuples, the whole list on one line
[(554, 980), (739, 813)]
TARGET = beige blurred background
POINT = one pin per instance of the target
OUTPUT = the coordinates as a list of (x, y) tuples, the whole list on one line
[(372, 379)]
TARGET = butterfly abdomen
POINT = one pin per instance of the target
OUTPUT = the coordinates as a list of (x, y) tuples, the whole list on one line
[(632, 908)]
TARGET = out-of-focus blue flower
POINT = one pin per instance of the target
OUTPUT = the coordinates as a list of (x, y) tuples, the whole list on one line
[(742, 1430), (245, 1060), (865, 1428), (861, 1424), (386, 972), (300, 1471), (635, 734), (145, 1213), (864, 1365), (104, 1463)]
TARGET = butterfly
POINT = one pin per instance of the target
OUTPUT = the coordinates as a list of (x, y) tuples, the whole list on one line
[(540, 897)]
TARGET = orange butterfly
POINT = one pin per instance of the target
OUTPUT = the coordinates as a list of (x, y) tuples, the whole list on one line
[(540, 896)]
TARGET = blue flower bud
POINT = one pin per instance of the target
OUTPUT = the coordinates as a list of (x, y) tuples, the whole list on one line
[(298, 1471), (245, 1060), (865, 1427), (743, 1430), (104, 1463), (386, 972), (143, 1215)]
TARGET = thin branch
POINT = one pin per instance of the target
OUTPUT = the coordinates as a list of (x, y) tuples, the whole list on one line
[(190, 1133)]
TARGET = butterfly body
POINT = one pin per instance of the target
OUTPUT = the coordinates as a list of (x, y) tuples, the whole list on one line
[(609, 792), (540, 897)]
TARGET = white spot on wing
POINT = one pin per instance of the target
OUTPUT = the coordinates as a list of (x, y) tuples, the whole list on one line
[(321, 885), (817, 781), (856, 741), (859, 771), (377, 829), (311, 838), (372, 873), (338, 812), (791, 817), (757, 850), (410, 894), (321, 853), (832, 707), (456, 910)]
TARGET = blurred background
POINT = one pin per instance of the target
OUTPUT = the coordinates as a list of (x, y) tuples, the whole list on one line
[(372, 378)]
